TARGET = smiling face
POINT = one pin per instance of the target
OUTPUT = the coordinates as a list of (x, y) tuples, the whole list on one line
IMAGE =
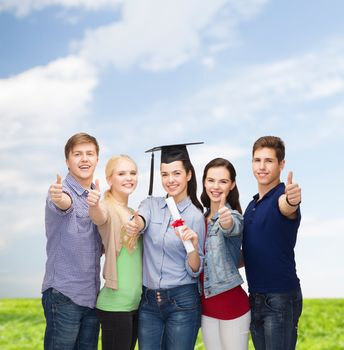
[(175, 179), (218, 182), (123, 179), (266, 168), (82, 161)]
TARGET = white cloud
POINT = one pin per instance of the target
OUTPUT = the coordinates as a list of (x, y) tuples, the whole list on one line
[(208, 62), (214, 150), (319, 253), (158, 35), (37, 104), (326, 87), (31, 217), (39, 108), (154, 34), (278, 94), (22, 215), (24, 7), (315, 227), (2, 243)]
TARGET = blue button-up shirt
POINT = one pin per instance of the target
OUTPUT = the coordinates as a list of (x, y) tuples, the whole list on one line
[(165, 262), (73, 248)]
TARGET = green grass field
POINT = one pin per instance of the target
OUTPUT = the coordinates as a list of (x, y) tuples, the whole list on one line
[(321, 326)]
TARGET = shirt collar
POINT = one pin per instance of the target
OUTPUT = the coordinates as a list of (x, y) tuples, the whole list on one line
[(268, 194), (75, 185), (181, 205)]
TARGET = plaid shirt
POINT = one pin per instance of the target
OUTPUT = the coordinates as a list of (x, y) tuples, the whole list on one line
[(73, 248)]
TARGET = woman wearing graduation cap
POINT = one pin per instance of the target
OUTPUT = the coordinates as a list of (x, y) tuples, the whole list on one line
[(169, 313)]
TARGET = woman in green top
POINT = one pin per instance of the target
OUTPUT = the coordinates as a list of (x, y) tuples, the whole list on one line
[(119, 299)]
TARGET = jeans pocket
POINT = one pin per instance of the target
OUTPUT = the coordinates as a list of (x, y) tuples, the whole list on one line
[(297, 304), (186, 301), (278, 302), (58, 298), (44, 299), (144, 298)]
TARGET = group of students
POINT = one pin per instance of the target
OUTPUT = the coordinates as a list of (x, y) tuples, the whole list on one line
[(155, 290)]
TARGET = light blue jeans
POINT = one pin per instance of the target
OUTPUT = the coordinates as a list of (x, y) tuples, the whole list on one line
[(169, 319), (274, 320), (68, 326)]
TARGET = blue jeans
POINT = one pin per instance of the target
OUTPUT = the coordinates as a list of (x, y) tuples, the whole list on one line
[(169, 318), (274, 320), (68, 326)]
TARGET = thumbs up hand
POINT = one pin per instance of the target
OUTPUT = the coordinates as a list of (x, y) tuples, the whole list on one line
[(55, 190), (131, 232), (222, 201), (292, 191), (225, 216), (132, 226), (93, 196), (136, 217)]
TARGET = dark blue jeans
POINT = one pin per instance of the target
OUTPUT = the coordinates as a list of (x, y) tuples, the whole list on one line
[(68, 326), (274, 320), (169, 318)]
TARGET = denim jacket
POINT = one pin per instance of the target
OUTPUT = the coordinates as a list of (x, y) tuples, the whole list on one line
[(222, 256)]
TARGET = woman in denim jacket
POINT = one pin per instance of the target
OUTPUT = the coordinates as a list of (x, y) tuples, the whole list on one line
[(225, 308)]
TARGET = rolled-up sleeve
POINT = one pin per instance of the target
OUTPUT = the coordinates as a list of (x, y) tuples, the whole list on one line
[(51, 206), (199, 228)]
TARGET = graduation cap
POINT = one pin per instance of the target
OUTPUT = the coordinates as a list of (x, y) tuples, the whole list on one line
[(169, 154)]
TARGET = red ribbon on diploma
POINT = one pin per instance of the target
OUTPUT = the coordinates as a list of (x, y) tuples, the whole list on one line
[(177, 223)]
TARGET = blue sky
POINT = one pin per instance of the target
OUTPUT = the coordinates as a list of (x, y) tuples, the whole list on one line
[(143, 73)]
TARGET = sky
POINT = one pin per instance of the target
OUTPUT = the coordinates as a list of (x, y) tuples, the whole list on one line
[(142, 73)]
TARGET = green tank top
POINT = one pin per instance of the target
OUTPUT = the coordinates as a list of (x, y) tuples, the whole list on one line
[(129, 275)]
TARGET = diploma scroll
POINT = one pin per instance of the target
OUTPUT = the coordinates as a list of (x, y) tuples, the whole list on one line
[(178, 222)]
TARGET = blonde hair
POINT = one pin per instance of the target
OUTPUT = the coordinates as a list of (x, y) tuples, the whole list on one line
[(109, 169)]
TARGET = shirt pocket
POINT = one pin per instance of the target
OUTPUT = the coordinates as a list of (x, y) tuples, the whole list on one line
[(83, 223), (155, 230)]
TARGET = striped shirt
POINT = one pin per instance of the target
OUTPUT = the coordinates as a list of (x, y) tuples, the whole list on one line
[(73, 248)]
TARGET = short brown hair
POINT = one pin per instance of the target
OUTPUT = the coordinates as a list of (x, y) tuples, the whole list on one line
[(273, 142), (77, 139)]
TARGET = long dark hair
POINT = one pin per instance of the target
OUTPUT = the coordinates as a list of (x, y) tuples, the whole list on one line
[(233, 195), (192, 185)]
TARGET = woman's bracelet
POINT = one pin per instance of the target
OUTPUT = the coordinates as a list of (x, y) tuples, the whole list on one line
[(292, 205)]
